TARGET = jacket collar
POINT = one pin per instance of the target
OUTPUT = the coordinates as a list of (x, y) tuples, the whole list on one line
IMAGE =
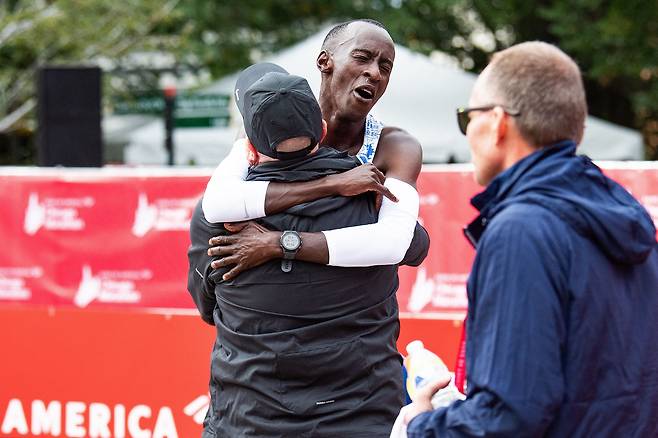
[(503, 185)]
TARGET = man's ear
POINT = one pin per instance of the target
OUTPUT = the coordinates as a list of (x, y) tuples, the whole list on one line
[(324, 62), (501, 124), (324, 130)]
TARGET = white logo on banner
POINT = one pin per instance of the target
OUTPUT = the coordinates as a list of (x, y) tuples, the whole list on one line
[(55, 213), (109, 286), (162, 215), (198, 408), (12, 281), (430, 199), (78, 419), (651, 204), (441, 290)]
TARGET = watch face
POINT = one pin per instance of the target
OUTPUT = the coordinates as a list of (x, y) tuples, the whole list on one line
[(290, 241)]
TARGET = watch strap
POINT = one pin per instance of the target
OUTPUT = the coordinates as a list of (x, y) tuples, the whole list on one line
[(286, 265)]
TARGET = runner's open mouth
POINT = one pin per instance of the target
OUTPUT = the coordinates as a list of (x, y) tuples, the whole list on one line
[(365, 92)]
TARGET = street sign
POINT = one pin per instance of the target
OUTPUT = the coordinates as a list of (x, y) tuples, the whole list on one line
[(191, 110)]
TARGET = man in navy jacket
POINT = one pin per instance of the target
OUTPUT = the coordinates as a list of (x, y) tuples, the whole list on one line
[(563, 294)]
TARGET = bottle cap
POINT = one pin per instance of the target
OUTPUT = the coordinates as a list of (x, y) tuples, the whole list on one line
[(415, 346)]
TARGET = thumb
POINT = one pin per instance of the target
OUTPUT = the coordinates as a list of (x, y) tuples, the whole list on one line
[(433, 387)]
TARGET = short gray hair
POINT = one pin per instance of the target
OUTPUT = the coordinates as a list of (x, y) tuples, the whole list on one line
[(545, 85)]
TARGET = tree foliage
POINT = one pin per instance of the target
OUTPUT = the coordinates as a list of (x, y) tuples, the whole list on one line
[(226, 36), (615, 42), (38, 32)]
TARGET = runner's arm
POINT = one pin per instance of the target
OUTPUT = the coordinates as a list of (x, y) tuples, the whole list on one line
[(382, 243), (400, 157), (229, 198), (388, 241), (418, 248)]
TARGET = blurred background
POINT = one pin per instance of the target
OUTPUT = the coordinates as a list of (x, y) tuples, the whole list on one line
[(197, 46), (113, 115)]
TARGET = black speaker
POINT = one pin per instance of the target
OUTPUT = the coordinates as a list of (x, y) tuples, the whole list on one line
[(69, 114)]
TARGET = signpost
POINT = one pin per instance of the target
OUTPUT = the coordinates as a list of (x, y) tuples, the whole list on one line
[(203, 110), (179, 111), (169, 108)]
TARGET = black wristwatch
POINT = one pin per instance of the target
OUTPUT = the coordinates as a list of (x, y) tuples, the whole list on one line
[(290, 242)]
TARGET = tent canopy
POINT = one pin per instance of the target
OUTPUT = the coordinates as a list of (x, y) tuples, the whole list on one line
[(421, 98)]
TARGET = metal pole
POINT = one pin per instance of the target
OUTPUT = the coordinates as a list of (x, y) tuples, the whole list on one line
[(170, 104)]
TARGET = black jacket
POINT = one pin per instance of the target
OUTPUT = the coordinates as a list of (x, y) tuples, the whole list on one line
[(306, 353)]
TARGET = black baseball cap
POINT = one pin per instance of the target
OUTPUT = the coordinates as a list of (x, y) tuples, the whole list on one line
[(276, 106)]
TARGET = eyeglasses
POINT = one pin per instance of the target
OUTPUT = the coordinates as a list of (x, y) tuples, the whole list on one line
[(463, 119)]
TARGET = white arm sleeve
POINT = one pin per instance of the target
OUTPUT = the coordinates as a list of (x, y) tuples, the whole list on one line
[(383, 243), (228, 197)]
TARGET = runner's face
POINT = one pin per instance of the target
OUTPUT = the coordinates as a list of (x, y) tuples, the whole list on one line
[(362, 66)]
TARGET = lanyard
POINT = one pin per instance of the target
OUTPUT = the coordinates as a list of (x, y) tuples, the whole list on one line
[(460, 366)]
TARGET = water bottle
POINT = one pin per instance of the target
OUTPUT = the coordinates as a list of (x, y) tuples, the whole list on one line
[(422, 367)]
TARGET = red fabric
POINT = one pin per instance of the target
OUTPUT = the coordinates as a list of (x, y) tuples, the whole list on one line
[(117, 238), (460, 365)]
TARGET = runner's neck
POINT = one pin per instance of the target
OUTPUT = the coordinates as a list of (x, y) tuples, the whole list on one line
[(345, 135)]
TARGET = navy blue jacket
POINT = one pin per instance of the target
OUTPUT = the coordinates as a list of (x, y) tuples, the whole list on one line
[(563, 308)]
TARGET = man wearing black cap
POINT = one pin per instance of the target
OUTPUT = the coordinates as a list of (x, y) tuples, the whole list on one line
[(356, 61), (267, 128), (302, 349)]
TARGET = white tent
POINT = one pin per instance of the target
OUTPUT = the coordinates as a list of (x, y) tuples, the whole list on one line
[(421, 98)]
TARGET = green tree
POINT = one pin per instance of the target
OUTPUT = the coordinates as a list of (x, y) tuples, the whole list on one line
[(615, 43), (226, 36), (38, 32)]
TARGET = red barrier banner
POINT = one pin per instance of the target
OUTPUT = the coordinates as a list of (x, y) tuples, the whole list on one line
[(102, 373), (97, 238), (437, 289), (117, 238), (92, 288)]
